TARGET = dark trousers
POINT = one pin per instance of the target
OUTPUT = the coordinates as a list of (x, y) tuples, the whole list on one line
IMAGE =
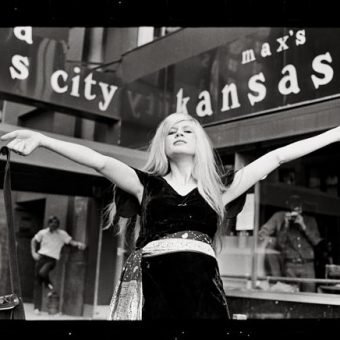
[(302, 270), (42, 270)]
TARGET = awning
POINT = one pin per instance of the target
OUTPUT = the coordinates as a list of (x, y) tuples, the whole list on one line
[(176, 47), (47, 172)]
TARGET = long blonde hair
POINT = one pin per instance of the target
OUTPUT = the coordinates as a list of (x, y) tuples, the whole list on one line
[(205, 170)]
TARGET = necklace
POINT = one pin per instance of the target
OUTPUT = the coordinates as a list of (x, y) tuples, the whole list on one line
[(185, 199), (183, 204)]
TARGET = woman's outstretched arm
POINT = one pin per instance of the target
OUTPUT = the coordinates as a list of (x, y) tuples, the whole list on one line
[(25, 142), (261, 167)]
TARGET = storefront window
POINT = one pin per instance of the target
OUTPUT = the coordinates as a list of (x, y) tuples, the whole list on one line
[(309, 255), (235, 255), (292, 243), (146, 34)]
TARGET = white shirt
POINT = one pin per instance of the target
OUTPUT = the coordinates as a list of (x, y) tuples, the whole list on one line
[(52, 243)]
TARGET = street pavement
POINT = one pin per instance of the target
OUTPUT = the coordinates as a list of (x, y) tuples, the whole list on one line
[(31, 315)]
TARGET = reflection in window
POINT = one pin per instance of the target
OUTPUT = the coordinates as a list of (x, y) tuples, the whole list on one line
[(300, 241), (293, 245)]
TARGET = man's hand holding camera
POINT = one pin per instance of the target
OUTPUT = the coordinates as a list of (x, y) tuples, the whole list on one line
[(296, 218), (300, 221)]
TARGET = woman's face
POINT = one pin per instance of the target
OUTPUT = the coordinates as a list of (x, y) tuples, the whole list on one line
[(181, 139)]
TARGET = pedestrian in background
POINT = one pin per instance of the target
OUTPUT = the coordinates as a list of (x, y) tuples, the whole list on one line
[(46, 246)]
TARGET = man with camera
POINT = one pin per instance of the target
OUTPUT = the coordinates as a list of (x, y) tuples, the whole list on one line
[(296, 236)]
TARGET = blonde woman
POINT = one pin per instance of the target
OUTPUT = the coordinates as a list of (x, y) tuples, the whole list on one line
[(181, 198)]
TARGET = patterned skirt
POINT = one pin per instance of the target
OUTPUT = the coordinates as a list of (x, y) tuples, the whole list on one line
[(180, 280)]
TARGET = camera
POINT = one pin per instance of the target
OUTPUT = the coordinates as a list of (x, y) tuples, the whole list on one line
[(291, 216)]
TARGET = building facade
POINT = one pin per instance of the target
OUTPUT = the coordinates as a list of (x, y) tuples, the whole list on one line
[(253, 89)]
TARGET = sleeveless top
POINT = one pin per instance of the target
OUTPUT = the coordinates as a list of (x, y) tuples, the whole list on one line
[(163, 210)]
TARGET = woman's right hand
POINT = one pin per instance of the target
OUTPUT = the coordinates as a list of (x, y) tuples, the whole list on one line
[(24, 141)]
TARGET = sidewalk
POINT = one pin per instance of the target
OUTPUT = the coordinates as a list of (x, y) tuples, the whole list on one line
[(30, 315)]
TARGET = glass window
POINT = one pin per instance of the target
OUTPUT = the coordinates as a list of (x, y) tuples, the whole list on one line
[(235, 245), (300, 225), (147, 34), (287, 237)]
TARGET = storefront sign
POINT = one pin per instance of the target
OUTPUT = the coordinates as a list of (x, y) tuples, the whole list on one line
[(267, 71), (264, 72), (36, 69)]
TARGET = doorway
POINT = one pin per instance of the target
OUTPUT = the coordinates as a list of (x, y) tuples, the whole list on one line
[(28, 217)]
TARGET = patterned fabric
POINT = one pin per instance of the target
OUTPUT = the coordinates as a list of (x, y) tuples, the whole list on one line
[(127, 300)]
